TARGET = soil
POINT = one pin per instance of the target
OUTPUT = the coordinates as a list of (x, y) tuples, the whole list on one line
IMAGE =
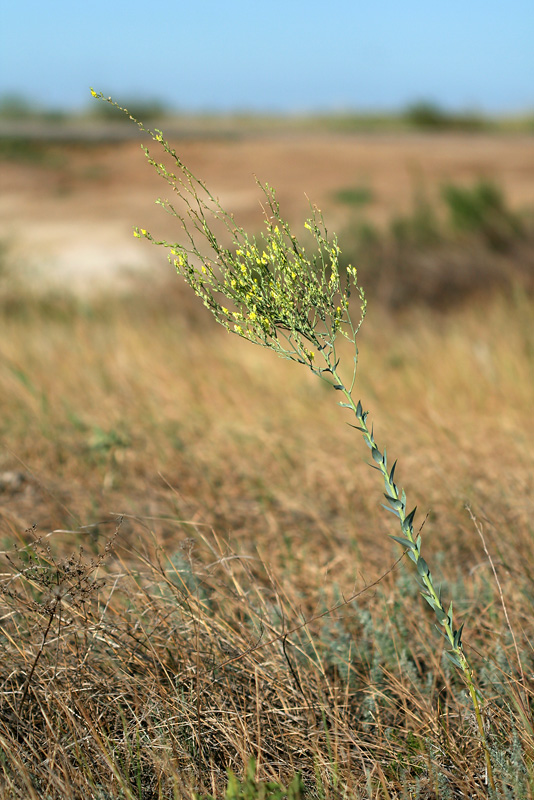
[(67, 209)]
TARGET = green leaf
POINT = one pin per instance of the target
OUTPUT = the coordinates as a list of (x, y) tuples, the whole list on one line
[(396, 502), (408, 521), (359, 409), (422, 567), (441, 615), (388, 508), (400, 539), (439, 612), (430, 600), (443, 633), (392, 472), (377, 455), (458, 636), (454, 659)]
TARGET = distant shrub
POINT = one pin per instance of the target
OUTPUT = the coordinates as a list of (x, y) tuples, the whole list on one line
[(430, 116), (14, 106), (482, 209), (354, 195)]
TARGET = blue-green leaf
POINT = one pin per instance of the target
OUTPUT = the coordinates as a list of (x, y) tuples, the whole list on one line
[(377, 455), (395, 501), (454, 659), (401, 540), (422, 567), (408, 522), (458, 636)]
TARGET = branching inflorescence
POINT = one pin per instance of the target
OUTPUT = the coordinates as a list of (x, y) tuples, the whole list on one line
[(270, 291)]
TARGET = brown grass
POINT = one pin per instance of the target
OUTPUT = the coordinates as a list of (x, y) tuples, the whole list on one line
[(241, 511)]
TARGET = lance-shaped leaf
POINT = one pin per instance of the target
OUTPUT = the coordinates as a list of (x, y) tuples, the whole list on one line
[(396, 502), (408, 522), (455, 660), (400, 539), (422, 567), (377, 455), (458, 637), (437, 609), (388, 508)]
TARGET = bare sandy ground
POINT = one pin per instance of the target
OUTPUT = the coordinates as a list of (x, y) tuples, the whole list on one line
[(66, 220)]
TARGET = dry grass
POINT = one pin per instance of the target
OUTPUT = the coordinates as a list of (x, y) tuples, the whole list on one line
[(239, 510)]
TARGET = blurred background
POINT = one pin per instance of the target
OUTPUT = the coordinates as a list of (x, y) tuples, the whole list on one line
[(411, 125), (412, 128), (407, 124)]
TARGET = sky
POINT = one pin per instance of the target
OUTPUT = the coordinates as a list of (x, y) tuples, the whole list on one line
[(275, 56)]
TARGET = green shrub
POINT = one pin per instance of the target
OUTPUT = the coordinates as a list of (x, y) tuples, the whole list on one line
[(481, 209)]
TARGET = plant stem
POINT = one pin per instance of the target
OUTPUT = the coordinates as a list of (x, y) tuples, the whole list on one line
[(397, 505)]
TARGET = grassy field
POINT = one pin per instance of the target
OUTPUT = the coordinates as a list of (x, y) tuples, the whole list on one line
[(196, 569)]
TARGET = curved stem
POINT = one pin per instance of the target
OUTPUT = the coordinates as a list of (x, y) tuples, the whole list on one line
[(396, 499)]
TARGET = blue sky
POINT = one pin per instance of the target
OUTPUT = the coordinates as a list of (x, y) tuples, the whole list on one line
[(280, 55)]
